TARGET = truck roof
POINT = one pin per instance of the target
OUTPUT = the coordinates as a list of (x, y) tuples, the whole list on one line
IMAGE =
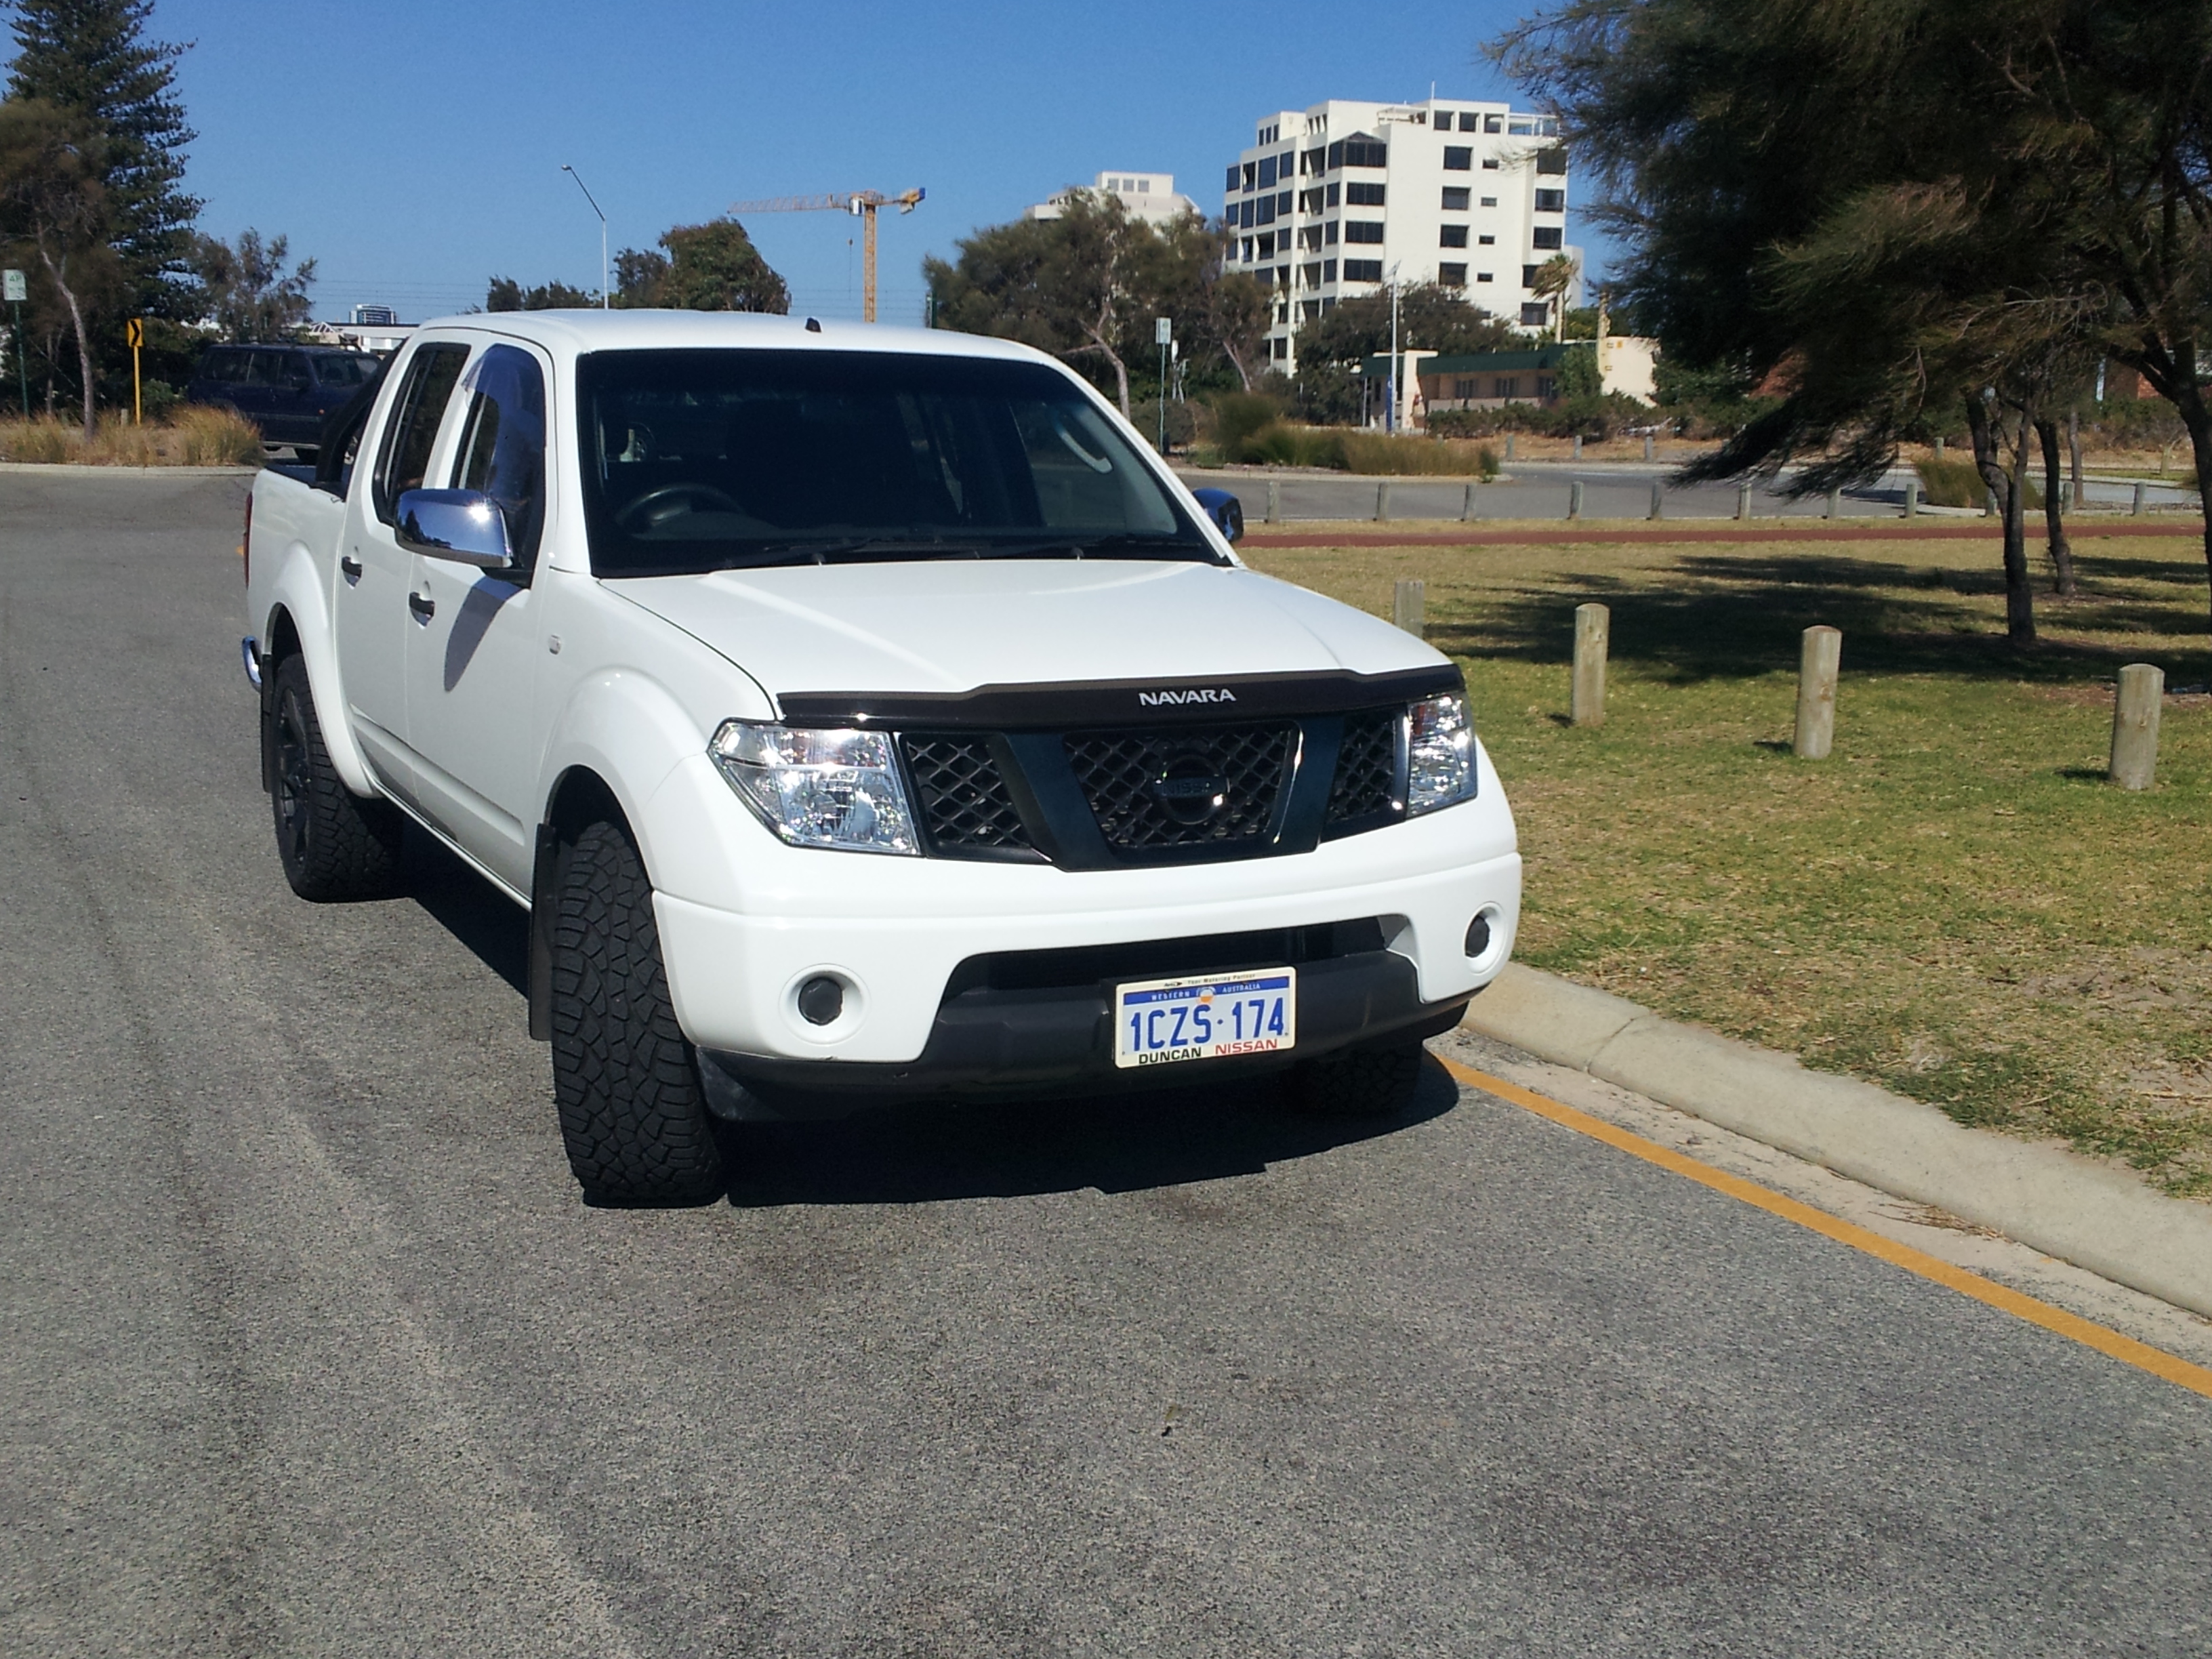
[(568, 332)]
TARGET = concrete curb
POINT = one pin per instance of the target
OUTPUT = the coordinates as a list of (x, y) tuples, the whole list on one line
[(2071, 1207)]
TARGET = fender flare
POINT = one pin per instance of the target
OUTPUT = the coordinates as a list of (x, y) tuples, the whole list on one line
[(298, 594)]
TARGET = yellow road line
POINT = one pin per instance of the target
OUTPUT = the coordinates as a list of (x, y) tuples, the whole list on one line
[(2126, 1349)]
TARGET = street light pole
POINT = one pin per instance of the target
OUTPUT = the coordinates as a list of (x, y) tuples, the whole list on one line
[(605, 301), (1390, 414)]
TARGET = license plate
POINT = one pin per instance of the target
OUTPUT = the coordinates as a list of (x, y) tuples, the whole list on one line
[(1159, 1021)]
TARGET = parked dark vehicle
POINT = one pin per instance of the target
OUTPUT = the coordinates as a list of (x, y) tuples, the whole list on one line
[(286, 391)]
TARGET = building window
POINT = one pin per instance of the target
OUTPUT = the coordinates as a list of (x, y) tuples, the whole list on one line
[(1283, 204), (1360, 195), (1268, 245), (1251, 172), (1310, 275), (1458, 158), (1144, 187), (1551, 200), (1335, 156), (1363, 270), (1333, 190), (1263, 210), (1507, 386), (1455, 198), (1552, 161), (1282, 348), (1493, 123), (1283, 274), (1244, 215), (1327, 271), (1248, 250), (1528, 276), (1328, 234), (1481, 276), (1309, 309), (1328, 303), (1489, 165), (1266, 173), (1546, 385), (1311, 161), (1546, 236), (1490, 201), (1452, 236), (1235, 171), (1363, 152), (1452, 276), (1537, 315), (1469, 121), (1363, 230), (1485, 241)]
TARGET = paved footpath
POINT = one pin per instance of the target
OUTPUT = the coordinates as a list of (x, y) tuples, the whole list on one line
[(307, 1348)]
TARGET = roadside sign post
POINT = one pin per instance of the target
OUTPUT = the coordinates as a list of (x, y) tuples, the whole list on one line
[(1163, 333), (135, 332), (16, 289)]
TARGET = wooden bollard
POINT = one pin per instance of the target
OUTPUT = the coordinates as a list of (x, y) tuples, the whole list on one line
[(1913, 498), (1578, 446), (2135, 725), (2143, 497), (1382, 501), (1274, 500), (1575, 499), (1467, 504), (1647, 446), (1835, 503), (1818, 661), (1658, 499), (1406, 605), (1509, 446), (1593, 637), (1743, 500)]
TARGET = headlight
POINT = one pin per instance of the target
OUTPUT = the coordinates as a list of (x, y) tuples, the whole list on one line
[(818, 788), (1439, 754)]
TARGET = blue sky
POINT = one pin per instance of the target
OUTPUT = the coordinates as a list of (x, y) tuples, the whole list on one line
[(414, 150)]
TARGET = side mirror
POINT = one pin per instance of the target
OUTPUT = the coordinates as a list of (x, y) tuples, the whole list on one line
[(464, 525), (1224, 509)]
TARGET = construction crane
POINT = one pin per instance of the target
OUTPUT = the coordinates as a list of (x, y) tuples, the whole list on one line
[(863, 205)]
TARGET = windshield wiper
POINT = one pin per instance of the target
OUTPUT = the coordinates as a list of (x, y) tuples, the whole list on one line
[(1085, 547)]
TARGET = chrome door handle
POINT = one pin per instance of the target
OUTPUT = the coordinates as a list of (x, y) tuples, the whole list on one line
[(421, 604), (349, 567)]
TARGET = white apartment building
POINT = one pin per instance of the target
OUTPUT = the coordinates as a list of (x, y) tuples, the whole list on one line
[(1148, 196), (1331, 200)]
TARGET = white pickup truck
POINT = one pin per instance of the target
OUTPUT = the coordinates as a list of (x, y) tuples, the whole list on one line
[(859, 713)]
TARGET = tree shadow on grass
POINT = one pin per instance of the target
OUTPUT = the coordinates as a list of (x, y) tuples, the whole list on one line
[(1737, 617)]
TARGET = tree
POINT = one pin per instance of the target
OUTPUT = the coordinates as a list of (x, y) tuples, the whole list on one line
[(90, 57), (250, 295), (506, 293), (53, 204), (1882, 211), (1555, 280), (709, 267), (1089, 285)]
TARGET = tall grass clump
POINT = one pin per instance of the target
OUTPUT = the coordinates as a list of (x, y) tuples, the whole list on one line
[(1949, 483), (192, 436), (1404, 454)]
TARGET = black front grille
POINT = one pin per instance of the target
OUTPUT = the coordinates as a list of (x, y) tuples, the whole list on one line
[(1366, 782), (1131, 779), (965, 805)]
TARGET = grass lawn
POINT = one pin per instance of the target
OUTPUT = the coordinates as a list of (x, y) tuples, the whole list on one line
[(1956, 904)]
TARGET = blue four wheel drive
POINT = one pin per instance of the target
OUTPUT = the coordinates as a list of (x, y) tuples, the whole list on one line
[(286, 391)]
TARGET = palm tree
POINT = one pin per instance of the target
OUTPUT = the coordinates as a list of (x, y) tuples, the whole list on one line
[(1555, 278)]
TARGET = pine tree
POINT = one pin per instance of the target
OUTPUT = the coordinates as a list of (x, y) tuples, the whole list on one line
[(91, 58)]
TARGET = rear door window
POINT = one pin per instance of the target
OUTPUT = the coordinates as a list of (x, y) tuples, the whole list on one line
[(416, 414), (224, 367), (269, 368)]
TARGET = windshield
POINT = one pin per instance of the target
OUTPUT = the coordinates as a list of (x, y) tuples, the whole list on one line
[(715, 459)]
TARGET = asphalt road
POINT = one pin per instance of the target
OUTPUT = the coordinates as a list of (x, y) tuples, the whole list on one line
[(309, 1348)]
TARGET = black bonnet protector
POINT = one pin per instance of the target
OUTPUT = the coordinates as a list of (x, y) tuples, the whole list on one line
[(1058, 705)]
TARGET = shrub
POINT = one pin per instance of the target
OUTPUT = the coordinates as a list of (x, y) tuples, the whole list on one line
[(1387, 453), (1237, 416), (1949, 483), (1280, 444), (194, 436), (1182, 425)]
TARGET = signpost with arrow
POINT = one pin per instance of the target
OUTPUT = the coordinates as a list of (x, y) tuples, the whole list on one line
[(15, 290)]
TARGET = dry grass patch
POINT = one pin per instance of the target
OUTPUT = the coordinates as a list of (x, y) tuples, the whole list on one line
[(190, 436), (1956, 905)]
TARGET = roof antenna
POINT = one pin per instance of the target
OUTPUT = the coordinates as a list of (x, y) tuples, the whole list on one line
[(813, 327)]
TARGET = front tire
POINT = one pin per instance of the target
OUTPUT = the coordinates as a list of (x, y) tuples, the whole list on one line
[(1360, 1082), (334, 845), (633, 1114)]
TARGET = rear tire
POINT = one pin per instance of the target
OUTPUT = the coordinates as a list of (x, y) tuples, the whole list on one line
[(1360, 1082), (334, 845), (633, 1114)]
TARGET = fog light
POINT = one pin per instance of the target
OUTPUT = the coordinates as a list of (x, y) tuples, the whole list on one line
[(1478, 936), (821, 999)]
